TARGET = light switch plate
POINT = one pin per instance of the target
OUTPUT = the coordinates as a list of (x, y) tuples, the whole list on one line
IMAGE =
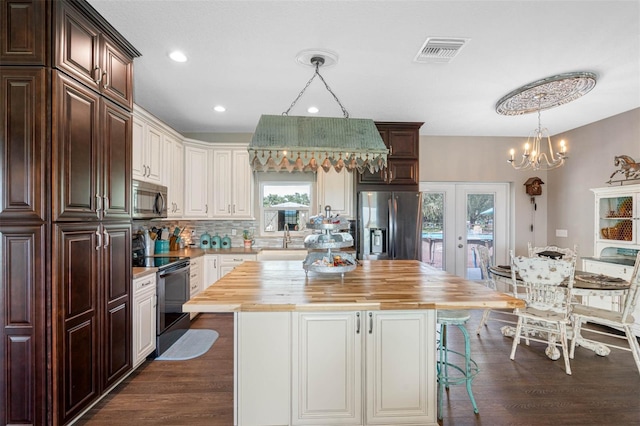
[(562, 233)]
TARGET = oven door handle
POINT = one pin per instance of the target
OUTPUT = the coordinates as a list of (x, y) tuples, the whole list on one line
[(163, 274)]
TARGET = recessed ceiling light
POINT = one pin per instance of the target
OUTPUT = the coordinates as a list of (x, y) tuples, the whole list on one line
[(313, 110), (219, 108), (178, 56)]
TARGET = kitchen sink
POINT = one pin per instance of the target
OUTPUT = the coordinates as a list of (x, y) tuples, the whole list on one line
[(282, 254)]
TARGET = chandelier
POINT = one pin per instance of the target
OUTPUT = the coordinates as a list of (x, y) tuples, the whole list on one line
[(308, 144), (544, 94)]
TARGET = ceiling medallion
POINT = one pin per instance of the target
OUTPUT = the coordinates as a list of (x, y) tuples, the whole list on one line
[(546, 93)]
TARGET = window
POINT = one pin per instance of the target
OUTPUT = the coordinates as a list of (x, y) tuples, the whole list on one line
[(285, 201)]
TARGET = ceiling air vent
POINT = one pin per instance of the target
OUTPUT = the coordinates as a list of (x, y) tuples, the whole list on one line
[(439, 49)]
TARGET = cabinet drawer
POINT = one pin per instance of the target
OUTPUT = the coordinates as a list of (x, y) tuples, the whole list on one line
[(612, 270), (235, 259), (144, 283)]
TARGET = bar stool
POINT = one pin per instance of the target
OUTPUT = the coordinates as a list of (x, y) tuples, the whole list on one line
[(462, 369)]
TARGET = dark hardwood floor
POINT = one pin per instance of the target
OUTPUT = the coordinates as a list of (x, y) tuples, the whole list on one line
[(532, 390)]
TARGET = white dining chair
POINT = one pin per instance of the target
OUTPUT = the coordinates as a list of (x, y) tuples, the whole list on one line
[(483, 255), (533, 251), (548, 284), (623, 320)]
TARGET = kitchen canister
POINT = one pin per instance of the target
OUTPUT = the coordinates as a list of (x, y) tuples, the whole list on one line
[(226, 242), (162, 246), (216, 242), (205, 241)]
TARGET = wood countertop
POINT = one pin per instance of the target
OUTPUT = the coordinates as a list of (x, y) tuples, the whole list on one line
[(282, 286)]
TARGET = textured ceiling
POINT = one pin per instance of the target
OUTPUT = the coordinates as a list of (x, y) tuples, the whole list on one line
[(242, 55)]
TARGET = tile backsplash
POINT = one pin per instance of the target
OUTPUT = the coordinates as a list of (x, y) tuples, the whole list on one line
[(194, 228)]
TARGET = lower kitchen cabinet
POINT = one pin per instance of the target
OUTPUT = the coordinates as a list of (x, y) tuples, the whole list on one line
[(211, 272), (91, 310), (346, 368), (196, 280), (144, 318), (23, 324)]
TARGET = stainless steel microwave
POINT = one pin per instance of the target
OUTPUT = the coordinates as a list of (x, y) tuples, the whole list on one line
[(149, 200)]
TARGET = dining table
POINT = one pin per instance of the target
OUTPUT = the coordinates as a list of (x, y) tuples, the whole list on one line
[(585, 284)]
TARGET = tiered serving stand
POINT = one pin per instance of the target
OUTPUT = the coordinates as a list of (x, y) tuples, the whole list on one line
[(330, 238)]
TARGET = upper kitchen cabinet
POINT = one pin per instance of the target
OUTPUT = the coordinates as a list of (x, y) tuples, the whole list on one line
[(25, 28), (196, 180), (402, 139), (88, 53), (174, 176), (147, 147), (233, 183), (336, 190), (91, 155)]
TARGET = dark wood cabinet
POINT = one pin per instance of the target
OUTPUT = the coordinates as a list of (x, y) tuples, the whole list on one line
[(92, 305), (402, 139), (23, 352), (85, 52), (65, 203), (91, 155), (25, 27), (23, 145)]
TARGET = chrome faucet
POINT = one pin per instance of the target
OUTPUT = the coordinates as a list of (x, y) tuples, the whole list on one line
[(286, 238)]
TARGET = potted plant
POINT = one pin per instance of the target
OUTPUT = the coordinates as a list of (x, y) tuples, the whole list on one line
[(247, 236)]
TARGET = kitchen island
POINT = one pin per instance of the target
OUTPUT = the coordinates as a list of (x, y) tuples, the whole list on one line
[(325, 349)]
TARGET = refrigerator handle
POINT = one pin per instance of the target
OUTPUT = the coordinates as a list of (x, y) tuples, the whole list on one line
[(392, 227)]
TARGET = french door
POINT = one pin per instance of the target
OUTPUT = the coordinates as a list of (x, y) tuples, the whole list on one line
[(459, 216)]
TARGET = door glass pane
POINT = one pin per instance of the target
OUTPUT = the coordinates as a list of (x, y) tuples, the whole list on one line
[(433, 228), (480, 216)]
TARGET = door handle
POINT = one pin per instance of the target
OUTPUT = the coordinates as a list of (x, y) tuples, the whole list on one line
[(107, 238), (99, 239), (460, 245), (98, 205), (357, 322), (370, 322)]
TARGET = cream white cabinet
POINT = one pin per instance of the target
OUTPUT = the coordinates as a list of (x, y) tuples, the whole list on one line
[(336, 190), (327, 368), (211, 273), (147, 148), (196, 281), (174, 173), (229, 261), (365, 367), (144, 318), (196, 181), (233, 182)]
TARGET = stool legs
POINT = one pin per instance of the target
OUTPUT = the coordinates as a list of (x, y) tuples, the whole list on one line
[(468, 371)]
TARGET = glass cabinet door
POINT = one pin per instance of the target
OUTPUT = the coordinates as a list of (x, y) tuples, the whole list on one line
[(616, 218)]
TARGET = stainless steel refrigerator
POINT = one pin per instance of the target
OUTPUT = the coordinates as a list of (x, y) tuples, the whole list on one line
[(389, 225)]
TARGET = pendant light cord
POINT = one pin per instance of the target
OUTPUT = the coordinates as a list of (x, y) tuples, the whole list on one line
[(317, 61)]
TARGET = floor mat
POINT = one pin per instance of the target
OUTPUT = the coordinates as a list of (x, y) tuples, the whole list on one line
[(190, 345)]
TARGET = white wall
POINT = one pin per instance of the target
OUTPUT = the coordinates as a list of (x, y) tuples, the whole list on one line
[(592, 149), (566, 202), (484, 159)]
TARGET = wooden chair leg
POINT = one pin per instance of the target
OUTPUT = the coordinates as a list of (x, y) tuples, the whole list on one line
[(565, 350), (516, 338), (633, 344), (483, 321)]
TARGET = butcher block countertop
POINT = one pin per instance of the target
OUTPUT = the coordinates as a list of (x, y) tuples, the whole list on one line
[(281, 286)]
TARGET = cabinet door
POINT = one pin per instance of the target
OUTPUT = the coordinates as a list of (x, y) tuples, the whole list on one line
[(336, 190), (402, 172), (116, 301), (144, 318), (195, 277), (77, 46), (75, 151), (117, 79), (75, 292), (23, 327), (210, 269), (403, 143), (116, 142), (153, 153), (327, 368), (23, 29), (174, 166), (195, 182), (242, 186), (222, 181), (23, 143), (138, 169), (400, 367)]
